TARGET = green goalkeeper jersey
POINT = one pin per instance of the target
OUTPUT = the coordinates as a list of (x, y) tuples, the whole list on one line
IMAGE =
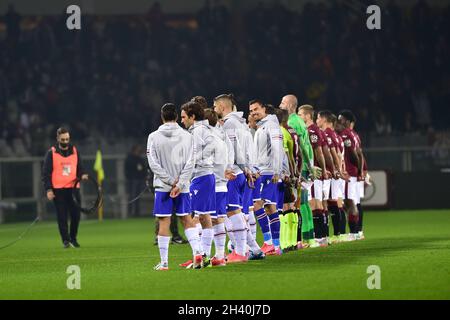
[(299, 126)]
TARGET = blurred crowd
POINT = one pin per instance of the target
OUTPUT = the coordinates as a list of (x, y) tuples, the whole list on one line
[(110, 78)]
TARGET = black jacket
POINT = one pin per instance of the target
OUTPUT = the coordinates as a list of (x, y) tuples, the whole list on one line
[(135, 167), (47, 168)]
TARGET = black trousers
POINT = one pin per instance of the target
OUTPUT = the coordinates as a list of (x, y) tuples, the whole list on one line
[(135, 187), (65, 207)]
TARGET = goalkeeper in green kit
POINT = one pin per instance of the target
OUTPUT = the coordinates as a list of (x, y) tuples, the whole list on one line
[(290, 103)]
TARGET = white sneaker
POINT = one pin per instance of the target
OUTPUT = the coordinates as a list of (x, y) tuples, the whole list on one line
[(323, 242), (361, 235), (161, 267), (351, 237), (314, 243)]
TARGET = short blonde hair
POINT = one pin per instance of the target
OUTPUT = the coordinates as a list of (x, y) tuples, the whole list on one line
[(308, 109)]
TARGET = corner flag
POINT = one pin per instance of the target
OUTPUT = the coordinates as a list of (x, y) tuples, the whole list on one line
[(98, 167)]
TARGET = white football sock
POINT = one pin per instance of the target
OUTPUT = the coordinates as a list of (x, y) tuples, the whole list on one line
[(230, 232), (194, 240), (207, 238), (252, 223), (199, 229), (251, 241), (240, 232), (163, 245), (219, 240)]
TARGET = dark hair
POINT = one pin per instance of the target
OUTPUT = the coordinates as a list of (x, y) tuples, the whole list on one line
[(282, 115), (169, 112), (255, 101), (270, 109), (61, 130), (201, 101), (212, 117), (193, 108), (228, 96), (348, 115), (327, 115), (333, 119)]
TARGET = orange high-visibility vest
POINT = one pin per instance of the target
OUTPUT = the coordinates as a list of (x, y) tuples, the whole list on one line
[(64, 171)]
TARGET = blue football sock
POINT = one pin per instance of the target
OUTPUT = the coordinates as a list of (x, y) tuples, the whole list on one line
[(263, 221), (275, 228)]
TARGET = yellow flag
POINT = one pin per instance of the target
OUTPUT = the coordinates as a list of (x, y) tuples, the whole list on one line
[(98, 167)]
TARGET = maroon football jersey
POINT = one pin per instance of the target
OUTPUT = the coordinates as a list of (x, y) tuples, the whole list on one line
[(358, 139), (350, 143), (331, 136), (317, 139)]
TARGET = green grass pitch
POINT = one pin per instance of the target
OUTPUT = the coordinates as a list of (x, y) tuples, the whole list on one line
[(412, 249)]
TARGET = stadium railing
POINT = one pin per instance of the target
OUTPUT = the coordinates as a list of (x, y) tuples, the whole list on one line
[(20, 180)]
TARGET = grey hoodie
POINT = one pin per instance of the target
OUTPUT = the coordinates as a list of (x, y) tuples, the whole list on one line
[(223, 158), (269, 146), (235, 127), (169, 157), (203, 148)]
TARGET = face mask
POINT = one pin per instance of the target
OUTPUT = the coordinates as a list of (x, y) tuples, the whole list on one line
[(63, 144)]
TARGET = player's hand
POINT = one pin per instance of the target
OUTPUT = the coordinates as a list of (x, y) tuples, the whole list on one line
[(316, 172), (250, 179), (345, 176), (368, 179), (360, 177), (175, 182), (175, 192), (275, 179), (50, 195), (326, 175), (84, 177), (230, 174)]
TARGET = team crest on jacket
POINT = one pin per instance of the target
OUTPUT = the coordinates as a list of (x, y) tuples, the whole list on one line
[(347, 143), (314, 138)]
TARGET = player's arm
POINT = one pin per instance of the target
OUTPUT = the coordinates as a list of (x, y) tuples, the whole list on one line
[(237, 139), (292, 166), (337, 159), (363, 161), (47, 170), (304, 146), (230, 152), (318, 153), (186, 172), (329, 162), (356, 160), (300, 159), (286, 168), (276, 144), (155, 165)]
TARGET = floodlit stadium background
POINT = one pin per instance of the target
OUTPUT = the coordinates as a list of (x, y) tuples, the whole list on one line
[(108, 81)]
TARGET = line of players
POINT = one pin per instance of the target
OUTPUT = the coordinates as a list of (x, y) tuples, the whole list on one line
[(221, 175)]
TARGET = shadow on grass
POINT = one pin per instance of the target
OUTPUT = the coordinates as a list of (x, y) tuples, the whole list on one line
[(348, 253)]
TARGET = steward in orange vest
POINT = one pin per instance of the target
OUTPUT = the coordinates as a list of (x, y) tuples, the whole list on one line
[(62, 167)]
